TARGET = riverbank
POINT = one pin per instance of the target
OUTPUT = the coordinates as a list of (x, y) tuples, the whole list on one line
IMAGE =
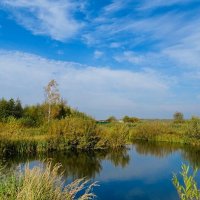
[(85, 134)]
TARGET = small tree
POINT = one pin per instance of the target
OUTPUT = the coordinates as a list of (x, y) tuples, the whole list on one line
[(52, 96), (18, 110), (111, 119), (178, 117), (130, 119)]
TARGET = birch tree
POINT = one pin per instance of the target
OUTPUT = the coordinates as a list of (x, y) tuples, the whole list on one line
[(52, 96)]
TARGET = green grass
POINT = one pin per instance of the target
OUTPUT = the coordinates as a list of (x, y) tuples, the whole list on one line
[(43, 183), (85, 134)]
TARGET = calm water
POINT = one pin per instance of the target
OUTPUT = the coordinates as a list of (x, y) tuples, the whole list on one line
[(142, 172)]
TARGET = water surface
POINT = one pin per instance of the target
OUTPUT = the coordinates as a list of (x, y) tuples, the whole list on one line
[(143, 171)]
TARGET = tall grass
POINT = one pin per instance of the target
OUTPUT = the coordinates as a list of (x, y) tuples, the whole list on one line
[(43, 183), (114, 136), (79, 132)]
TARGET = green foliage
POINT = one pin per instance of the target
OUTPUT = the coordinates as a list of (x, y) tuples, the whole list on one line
[(178, 117), (128, 119), (10, 108), (80, 132), (149, 130), (114, 136), (111, 119), (33, 116), (63, 110), (189, 190), (193, 127), (76, 113), (43, 183)]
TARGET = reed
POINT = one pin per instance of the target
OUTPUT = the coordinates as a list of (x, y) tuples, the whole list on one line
[(189, 189), (43, 183)]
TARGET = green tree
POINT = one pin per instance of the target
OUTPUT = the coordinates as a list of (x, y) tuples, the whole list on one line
[(64, 110), (130, 119), (178, 117), (4, 109), (111, 119), (10, 108), (33, 115), (18, 109)]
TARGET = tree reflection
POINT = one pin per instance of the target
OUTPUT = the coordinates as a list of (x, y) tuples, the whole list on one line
[(75, 164), (192, 154), (119, 157), (157, 149)]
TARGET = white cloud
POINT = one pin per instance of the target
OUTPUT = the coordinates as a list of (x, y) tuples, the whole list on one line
[(45, 17), (98, 54), (146, 4), (97, 91), (114, 6), (115, 45), (131, 57)]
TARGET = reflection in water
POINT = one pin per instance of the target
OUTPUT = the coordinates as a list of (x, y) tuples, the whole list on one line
[(157, 149), (75, 164), (189, 153), (119, 157), (128, 175), (192, 155)]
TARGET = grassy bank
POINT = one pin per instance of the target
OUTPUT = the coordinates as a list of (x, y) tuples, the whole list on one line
[(42, 183), (60, 135), (85, 134), (55, 126), (187, 132)]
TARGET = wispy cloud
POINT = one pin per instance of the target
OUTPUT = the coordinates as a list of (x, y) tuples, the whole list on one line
[(98, 91), (98, 54), (52, 18), (146, 4), (131, 57), (115, 6)]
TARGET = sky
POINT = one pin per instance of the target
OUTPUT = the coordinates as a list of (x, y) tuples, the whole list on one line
[(110, 57)]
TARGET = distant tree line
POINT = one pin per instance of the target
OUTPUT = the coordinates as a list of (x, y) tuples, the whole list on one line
[(31, 115), (10, 108), (54, 107)]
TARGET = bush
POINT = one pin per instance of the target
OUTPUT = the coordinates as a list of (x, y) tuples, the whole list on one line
[(13, 126), (80, 132), (131, 119), (111, 119), (114, 136), (193, 127), (148, 130), (178, 117), (28, 122)]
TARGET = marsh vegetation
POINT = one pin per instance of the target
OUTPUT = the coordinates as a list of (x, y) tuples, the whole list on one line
[(54, 126)]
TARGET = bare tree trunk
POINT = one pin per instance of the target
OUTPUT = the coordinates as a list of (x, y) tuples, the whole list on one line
[(49, 113)]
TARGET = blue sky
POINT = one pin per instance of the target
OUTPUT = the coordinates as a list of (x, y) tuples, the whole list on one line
[(134, 57)]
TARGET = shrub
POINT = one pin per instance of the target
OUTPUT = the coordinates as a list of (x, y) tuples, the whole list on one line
[(148, 130), (80, 132), (111, 119), (114, 136), (193, 127), (178, 117), (131, 119), (13, 126), (28, 122)]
